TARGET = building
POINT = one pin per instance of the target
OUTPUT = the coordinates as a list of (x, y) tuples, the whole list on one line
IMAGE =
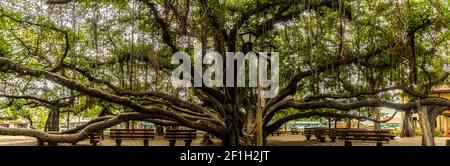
[(443, 120), (395, 122), (442, 124), (23, 124)]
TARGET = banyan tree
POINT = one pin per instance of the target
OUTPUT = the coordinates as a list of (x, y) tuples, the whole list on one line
[(337, 57)]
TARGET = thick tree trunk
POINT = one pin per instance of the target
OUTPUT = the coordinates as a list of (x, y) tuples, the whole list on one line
[(52, 123), (230, 139), (407, 127), (234, 139), (237, 134), (431, 114), (427, 127), (377, 125)]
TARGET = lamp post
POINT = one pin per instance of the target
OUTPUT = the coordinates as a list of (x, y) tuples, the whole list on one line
[(269, 48), (249, 39)]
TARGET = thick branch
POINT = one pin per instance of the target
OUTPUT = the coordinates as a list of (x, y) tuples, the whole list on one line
[(274, 126), (64, 32), (72, 138), (88, 75), (314, 5), (162, 24), (10, 66)]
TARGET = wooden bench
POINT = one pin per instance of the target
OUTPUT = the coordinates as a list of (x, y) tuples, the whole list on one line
[(277, 132), (319, 133), (294, 131), (364, 135), (339, 132), (94, 138), (120, 134), (185, 134)]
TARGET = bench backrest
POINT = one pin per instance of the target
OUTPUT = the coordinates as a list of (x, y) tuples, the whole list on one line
[(180, 134), (318, 130), (346, 133), (131, 133), (96, 134)]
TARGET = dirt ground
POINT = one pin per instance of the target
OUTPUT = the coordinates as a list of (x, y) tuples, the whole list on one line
[(282, 140)]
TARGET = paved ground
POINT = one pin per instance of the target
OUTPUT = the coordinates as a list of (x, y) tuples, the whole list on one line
[(282, 140)]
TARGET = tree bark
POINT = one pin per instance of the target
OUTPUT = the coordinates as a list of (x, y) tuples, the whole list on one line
[(407, 127), (432, 113), (427, 127), (68, 120), (329, 122), (349, 123), (52, 123), (31, 121), (159, 130), (377, 125)]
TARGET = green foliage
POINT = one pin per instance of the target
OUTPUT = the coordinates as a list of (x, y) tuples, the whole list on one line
[(122, 43)]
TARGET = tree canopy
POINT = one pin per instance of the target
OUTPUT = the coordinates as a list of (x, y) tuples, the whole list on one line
[(111, 59)]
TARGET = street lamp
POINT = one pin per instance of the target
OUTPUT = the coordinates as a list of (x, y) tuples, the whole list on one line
[(269, 48), (249, 39)]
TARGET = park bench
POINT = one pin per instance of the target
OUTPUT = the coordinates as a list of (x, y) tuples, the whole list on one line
[(185, 134), (94, 138), (294, 131), (339, 132), (277, 132), (364, 135), (318, 132), (131, 134)]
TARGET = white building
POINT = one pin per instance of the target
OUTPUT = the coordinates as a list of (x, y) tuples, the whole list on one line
[(24, 124)]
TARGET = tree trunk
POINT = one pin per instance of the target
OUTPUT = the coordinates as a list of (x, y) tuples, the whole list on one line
[(52, 123), (427, 128), (329, 122), (407, 127), (30, 120), (159, 130), (230, 139), (349, 123), (68, 120), (377, 125), (237, 135)]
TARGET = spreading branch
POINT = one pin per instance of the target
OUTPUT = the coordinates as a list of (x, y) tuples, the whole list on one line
[(274, 126)]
